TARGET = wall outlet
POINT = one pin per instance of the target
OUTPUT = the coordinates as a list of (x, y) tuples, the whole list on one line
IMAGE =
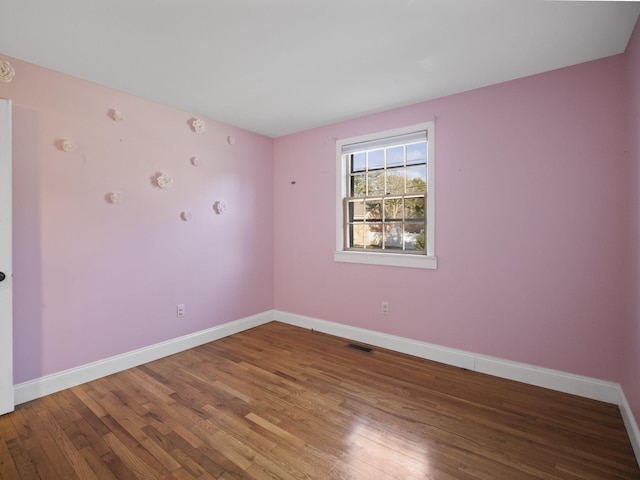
[(180, 311), (385, 308)]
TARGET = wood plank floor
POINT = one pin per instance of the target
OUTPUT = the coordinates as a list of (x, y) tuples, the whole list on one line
[(287, 403)]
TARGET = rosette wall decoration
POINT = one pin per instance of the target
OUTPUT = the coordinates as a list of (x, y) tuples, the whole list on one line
[(115, 197), (164, 181), (67, 146), (220, 207), (197, 125), (116, 115), (6, 71)]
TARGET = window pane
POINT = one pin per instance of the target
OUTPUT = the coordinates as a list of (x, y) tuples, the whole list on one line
[(376, 183), (375, 159), (386, 192), (417, 153), (356, 235), (395, 156), (414, 208), (414, 236), (373, 235), (358, 162), (374, 209), (358, 185), (392, 209), (393, 236), (417, 179), (395, 181), (356, 211)]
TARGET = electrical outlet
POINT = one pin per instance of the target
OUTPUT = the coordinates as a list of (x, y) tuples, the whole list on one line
[(180, 311), (385, 308)]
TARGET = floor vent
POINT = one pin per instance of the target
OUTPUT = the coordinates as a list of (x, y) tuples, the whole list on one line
[(360, 348)]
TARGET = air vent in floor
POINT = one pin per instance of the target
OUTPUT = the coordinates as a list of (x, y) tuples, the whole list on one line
[(360, 348)]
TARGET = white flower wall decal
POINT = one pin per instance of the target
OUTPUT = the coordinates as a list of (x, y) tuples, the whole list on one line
[(220, 207), (164, 181), (197, 125), (6, 71), (117, 115), (68, 146)]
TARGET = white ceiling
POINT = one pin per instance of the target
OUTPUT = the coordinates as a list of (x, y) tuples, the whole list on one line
[(281, 66)]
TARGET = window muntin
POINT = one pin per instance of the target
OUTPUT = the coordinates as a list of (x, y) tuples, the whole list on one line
[(386, 179)]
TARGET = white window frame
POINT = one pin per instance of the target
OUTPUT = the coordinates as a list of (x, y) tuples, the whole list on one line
[(383, 258)]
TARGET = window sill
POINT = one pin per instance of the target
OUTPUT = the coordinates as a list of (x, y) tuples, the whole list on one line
[(389, 259)]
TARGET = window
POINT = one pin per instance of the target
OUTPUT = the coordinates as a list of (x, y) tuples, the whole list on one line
[(385, 207)]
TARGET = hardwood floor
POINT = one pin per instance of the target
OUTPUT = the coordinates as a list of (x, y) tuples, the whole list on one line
[(281, 402)]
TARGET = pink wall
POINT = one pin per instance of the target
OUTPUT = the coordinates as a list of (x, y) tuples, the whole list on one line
[(529, 232), (93, 279), (631, 364)]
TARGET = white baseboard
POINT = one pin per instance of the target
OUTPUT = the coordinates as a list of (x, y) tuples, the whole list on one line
[(42, 386), (556, 380), (588, 387)]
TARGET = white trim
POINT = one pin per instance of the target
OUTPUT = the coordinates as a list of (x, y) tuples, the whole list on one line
[(390, 259), (542, 377), (7, 400), (376, 258), (42, 386)]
